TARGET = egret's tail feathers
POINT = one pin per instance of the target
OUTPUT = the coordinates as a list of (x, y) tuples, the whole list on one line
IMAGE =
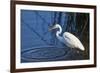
[(81, 47)]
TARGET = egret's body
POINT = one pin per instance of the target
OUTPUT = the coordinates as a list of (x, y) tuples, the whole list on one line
[(68, 39)]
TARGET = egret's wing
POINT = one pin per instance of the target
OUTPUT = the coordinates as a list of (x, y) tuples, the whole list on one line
[(69, 40), (72, 41)]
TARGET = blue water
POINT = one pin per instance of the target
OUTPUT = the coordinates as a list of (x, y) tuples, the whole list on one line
[(40, 45)]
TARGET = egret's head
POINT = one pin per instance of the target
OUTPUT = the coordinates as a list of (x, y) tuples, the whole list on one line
[(54, 27)]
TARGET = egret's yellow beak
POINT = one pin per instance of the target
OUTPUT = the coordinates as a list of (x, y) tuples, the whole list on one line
[(51, 28)]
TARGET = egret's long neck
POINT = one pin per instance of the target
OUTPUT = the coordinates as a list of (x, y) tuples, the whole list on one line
[(59, 32)]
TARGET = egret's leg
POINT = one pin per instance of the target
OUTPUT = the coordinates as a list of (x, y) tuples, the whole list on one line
[(70, 51), (78, 51)]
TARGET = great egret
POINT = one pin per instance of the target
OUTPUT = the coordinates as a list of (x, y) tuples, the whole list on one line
[(68, 39)]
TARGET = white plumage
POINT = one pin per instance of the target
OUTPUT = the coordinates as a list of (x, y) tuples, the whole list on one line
[(68, 39)]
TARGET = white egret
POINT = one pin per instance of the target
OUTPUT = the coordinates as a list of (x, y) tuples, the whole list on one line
[(68, 39)]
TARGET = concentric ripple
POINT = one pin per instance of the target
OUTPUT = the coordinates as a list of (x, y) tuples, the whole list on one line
[(43, 54)]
